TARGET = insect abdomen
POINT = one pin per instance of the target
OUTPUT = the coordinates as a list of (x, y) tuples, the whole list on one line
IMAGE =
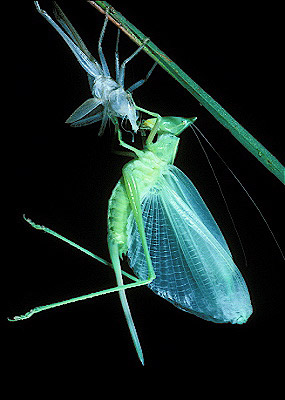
[(146, 170), (118, 211)]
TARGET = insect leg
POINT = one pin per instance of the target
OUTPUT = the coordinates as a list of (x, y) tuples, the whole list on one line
[(75, 299), (117, 63), (64, 239), (137, 282), (100, 51), (121, 78), (156, 125), (114, 254), (115, 258), (119, 133), (70, 30), (91, 66), (142, 81), (134, 199)]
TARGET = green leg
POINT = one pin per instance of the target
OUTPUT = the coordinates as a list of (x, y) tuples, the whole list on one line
[(122, 143), (137, 282), (75, 299), (150, 136), (127, 146), (156, 125), (57, 235), (114, 254), (134, 199)]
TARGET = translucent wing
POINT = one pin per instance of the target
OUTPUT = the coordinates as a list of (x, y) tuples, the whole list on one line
[(192, 262), (87, 121), (85, 108), (185, 189)]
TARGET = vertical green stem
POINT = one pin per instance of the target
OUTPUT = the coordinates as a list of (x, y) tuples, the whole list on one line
[(240, 133)]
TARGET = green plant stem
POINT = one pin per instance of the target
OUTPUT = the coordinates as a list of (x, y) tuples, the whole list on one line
[(240, 133)]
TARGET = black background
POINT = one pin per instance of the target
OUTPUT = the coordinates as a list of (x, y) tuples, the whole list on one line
[(63, 177)]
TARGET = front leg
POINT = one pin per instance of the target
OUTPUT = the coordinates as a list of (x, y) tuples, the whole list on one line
[(122, 143), (155, 127)]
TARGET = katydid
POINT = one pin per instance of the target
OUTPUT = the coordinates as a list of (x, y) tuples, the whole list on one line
[(157, 218)]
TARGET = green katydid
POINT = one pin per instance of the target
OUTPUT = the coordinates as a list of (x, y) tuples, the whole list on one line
[(157, 218)]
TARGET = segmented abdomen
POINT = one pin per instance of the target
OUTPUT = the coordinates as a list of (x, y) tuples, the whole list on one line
[(146, 171), (118, 211)]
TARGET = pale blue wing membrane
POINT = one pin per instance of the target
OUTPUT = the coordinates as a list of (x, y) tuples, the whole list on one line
[(91, 81), (185, 189), (105, 118), (85, 108), (193, 269), (87, 121)]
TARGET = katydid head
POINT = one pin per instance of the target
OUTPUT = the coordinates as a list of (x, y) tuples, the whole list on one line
[(172, 125), (168, 131)]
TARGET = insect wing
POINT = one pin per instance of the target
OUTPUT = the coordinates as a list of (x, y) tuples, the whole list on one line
[(85, 108), (185, 189), (87, 121), (192, 262)]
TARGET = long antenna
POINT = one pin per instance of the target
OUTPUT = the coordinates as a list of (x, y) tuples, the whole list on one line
[(242, 186)]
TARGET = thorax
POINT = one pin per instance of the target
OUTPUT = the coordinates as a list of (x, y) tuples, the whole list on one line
[(103, 86)]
